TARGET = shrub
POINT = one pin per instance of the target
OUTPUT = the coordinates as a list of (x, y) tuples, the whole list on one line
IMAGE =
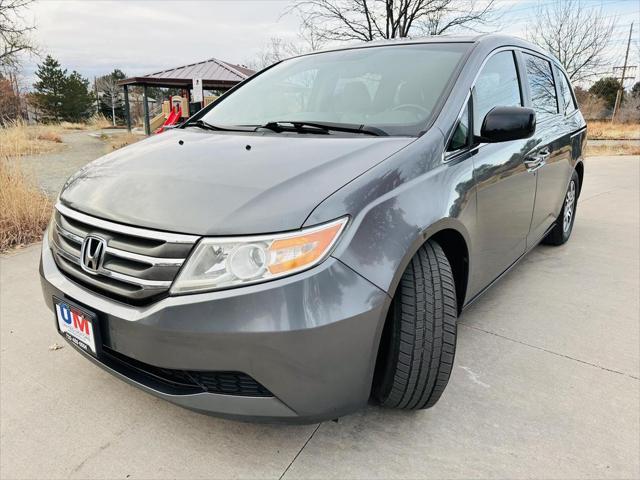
[(24, 209)]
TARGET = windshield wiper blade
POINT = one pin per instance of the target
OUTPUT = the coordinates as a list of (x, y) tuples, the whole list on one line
[(322, 127), (210, 126)]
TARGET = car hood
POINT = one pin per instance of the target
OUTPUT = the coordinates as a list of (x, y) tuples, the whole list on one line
[(204, 183)]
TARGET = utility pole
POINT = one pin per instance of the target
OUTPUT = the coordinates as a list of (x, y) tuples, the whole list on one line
[(616, 106)]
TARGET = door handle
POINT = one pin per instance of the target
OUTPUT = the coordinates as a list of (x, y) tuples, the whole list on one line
[(544, 153), (537, 160)]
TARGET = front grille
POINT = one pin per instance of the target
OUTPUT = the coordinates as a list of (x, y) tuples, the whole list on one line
[(138, 264), (186, 381)]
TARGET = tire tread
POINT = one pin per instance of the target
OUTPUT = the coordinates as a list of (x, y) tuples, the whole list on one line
[(426, 319)]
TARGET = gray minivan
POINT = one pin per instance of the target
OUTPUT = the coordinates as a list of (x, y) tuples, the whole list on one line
[(305, 244)]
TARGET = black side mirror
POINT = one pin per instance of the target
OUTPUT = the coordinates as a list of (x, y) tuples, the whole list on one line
[(502, 124)]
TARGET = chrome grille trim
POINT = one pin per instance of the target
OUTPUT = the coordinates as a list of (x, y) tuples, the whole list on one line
[(153, 261), (137, 265), (125, 229), (68, 235), (138, 282)]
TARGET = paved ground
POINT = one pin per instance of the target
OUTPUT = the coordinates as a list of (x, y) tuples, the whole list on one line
[(546, 383), (80, 147)]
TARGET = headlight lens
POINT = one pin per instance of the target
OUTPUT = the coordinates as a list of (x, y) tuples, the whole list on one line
[(226, 262)]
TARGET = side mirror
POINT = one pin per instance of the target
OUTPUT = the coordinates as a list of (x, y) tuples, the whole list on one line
[(502, 124)]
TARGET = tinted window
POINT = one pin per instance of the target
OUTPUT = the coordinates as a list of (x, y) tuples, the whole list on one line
[(395, 88), (496, 86), (460, 137), (565, 91), (543, 92)]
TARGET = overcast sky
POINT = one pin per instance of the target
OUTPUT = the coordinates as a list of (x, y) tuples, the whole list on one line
[(144, 36)]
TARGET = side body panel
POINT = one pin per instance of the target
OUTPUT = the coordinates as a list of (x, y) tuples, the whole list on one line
[(397, 205), (401, 202), (505, 196), (555, 137), (552, 177)]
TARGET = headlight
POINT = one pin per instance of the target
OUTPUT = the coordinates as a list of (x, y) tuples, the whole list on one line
[(227, 262)]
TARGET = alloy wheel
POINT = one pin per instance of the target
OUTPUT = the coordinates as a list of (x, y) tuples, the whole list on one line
[(569, 204)]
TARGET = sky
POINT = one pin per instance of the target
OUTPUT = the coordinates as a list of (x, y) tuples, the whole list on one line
[(144, 36)]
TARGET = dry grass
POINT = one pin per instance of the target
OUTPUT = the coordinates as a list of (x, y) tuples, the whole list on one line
[(24, 209), (50, 136), (604, 130), (614, 149), (18, 138), (120, 141), (97, 122)]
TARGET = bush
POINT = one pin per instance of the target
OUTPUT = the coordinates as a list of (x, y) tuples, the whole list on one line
[(24, 209), (630, 112)]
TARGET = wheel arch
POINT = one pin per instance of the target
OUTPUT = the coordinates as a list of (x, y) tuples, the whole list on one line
[(453, 237)]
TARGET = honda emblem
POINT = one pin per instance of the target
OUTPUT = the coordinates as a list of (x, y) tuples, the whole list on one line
[(92, 253)]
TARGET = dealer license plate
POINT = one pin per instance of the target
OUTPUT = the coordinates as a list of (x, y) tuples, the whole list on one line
[(77, 325)]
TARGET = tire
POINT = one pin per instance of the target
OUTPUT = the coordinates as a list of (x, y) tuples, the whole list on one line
[(419, 340), (561, 231)]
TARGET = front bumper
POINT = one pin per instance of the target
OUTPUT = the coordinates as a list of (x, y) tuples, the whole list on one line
[(311, 339)]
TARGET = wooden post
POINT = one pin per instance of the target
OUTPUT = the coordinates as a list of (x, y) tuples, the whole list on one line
[(126, 107), (145, 105)]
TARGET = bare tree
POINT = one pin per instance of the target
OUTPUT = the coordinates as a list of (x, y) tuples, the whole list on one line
[(109, 93), (367, 20), (14, 33), (577, 36), (278, 48)]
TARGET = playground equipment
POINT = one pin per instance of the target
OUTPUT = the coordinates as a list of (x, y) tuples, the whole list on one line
[(173, 111)]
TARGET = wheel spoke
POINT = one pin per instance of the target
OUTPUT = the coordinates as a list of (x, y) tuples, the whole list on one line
[(568, 206)]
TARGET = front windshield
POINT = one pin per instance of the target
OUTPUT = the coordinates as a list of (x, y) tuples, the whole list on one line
[(394, 88)]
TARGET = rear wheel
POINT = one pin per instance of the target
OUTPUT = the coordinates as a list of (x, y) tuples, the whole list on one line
[(564, 223), (419, 341)]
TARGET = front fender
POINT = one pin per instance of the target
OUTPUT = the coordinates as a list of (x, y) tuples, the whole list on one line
[(397, 206)]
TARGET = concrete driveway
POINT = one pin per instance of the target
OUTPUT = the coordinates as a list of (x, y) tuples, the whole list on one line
[(546, 383)]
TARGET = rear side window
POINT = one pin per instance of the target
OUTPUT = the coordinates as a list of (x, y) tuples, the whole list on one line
[(496, 86), (568, 102), (543, 90)]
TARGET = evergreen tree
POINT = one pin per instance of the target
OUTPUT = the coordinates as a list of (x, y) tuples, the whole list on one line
[(61, 96), (78, 102), (49, 89), (607, 89)]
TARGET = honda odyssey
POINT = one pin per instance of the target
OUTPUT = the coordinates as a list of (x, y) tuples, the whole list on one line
[(305, 244)]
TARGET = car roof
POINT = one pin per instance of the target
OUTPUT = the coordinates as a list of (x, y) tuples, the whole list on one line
[(488, 40)]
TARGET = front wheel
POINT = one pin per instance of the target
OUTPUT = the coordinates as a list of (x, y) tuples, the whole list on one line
[(419, 339), (564, 223)]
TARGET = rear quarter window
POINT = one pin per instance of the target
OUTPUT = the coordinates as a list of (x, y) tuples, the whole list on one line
[(542, 87), (568, 102)]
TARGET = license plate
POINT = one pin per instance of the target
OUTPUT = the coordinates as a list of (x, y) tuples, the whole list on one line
[(77, 325)]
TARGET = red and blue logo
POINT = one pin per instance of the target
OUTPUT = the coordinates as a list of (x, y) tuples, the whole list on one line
[(71, 316)]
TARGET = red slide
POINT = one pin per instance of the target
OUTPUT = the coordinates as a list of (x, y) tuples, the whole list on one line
[(174, 117)]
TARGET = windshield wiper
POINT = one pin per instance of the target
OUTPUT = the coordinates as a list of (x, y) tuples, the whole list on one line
[(322, 127), (210, 126)]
